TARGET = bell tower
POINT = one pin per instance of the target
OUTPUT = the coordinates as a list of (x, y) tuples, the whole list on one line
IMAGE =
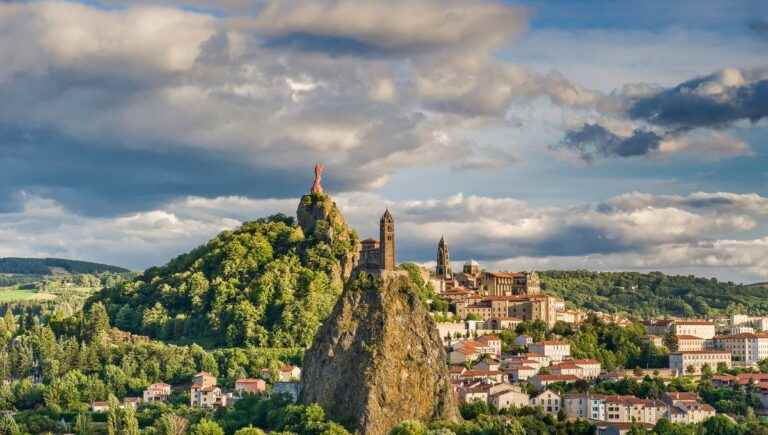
[(387, 241), (443, 270)]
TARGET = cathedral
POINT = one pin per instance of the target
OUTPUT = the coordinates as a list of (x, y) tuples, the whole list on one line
[(380, 254)]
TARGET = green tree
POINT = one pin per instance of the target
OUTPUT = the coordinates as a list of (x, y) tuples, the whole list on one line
[(130, 425), (250, 430), (83, 425), (171, 424), (206, 427), (409, 427)]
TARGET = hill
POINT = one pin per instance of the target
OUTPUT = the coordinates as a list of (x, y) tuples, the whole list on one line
[(654, 293), (270, 282), (52, 266)]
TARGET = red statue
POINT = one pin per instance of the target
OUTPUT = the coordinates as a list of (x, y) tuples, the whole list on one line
[(316, 187)]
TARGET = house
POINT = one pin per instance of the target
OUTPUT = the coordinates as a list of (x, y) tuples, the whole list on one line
[(693, 362), (204, 379), (491, 342), (478, 392), (288, 373), (520, 372), (487, 363), (471, 350), (100, 406), (541, 382), (555, 350), (548, 401), (455, 372), (740, 379), (523, 340), (488, 376), (581, 368), (506, 396), (132, 402), (686, 408), (625, 409), (207, 396), (576, 405), (250, 386), (158, 392)]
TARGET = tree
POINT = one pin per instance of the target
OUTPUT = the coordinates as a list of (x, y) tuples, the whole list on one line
[(83, 425), (98, 321), (129, 423), (8, 426), (250, 430), (690, 369), (206, 427), (172, 424), (113, 416), (409, 427)]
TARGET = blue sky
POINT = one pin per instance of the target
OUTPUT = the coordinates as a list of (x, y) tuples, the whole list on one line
[(612, 135)]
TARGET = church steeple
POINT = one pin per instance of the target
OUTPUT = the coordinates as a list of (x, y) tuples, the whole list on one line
[(387, 241), (443, 269)]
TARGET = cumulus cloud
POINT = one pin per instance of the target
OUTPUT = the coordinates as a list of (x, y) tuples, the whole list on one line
[(411, 26), (158, 102)]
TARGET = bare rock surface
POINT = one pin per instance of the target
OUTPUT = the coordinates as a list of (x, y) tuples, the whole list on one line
[(378, 359)]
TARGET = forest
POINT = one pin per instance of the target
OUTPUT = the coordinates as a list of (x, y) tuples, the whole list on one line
[(653, 294), (48, 266)]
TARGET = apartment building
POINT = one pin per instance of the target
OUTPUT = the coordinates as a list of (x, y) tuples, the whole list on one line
[(697, 328), (746, 348), (682, 363)]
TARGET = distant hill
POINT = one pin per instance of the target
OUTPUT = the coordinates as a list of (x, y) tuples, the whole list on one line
[(53, 266), (654, 293)]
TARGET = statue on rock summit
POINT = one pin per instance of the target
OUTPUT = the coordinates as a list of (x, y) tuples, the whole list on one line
[(316, 187)]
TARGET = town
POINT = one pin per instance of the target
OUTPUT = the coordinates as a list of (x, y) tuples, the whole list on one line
[(494, 361), (543, 373)]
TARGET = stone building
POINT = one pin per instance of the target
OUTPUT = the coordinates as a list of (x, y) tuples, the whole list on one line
[(540, 307), (511, 283), (380, 254), (470, 276), (443, 269)]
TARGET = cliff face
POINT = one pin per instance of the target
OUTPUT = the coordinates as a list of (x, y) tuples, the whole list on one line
[(320, 218), (378, 359)]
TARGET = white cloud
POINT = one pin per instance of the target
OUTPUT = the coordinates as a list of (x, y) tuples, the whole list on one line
[(631, 231)]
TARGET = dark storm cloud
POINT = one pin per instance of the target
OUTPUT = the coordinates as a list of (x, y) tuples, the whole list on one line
[(695, 104), (99, 180), (760, 28), (594, 140)]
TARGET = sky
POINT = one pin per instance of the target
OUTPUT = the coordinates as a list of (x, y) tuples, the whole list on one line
[(605, 135)]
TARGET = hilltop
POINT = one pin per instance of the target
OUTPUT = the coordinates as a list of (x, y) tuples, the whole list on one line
[(53, 266), (269, 283), (653, 294)]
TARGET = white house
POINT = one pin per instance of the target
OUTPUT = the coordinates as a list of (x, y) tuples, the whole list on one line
[(555, 350)]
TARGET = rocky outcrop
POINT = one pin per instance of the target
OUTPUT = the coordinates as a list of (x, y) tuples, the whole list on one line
[(320, 218), (378, 359)]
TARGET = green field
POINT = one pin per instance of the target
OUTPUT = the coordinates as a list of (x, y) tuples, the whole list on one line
[(13, 294)]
